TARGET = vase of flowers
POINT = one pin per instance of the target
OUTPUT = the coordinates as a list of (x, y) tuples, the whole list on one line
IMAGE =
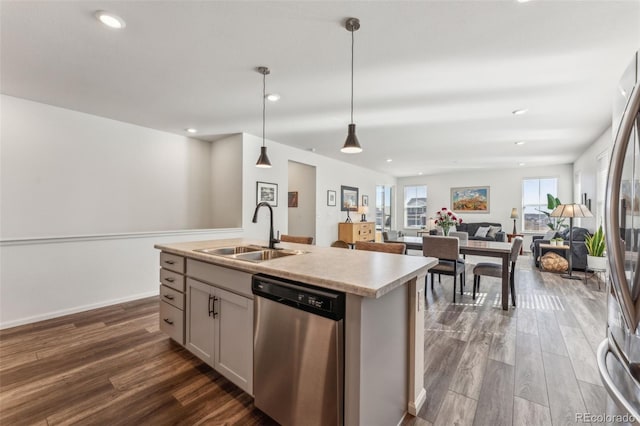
[(445, 219)]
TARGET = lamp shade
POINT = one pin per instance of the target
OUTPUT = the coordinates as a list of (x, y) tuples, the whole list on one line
[(514, 213), (263, 160), (571, 210), (351, 144), (363, 209)]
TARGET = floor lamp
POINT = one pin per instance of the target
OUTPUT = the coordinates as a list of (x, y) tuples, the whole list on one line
[(571, 211)]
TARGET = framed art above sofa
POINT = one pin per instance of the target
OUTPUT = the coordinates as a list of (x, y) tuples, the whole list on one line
[(470, 199)]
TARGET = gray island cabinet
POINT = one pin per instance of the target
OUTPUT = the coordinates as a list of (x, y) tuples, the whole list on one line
[(211, 311)]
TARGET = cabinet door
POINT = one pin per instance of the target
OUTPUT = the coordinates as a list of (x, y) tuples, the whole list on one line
[(234, 338), (200, 320)]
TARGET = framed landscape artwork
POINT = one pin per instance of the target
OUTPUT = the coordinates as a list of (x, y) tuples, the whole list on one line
[(268, 192), (331, 198), (348, 198), (470, 199)]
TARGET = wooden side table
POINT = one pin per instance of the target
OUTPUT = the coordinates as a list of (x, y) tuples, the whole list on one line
[(512, 236), (546, 247)]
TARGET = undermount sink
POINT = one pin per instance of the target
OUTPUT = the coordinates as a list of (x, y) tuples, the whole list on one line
[(250, 253), (226, 251)]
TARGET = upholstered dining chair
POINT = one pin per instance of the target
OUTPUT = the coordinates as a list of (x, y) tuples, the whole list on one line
[(462, 236), (340, 244), (495, 270), (296, 239), (447, 251), (396, 248)]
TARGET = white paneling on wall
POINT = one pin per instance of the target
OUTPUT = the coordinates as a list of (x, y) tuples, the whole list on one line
[(505, 191)]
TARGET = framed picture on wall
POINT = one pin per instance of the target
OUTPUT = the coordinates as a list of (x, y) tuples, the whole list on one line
[(293, 198), (470, 199), (365, 200), (348, 198), (268, 192), (331, 198)]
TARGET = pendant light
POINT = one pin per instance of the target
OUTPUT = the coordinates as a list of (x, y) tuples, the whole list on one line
[(351, 145), (263, 160)]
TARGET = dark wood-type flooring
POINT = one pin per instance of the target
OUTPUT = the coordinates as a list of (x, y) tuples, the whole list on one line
[(533, 365)]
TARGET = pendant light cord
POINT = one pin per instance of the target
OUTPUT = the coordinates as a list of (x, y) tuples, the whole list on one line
[(264, 92), (352, 44)]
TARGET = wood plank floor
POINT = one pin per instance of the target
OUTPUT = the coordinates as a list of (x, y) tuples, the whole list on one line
[(532, 365)]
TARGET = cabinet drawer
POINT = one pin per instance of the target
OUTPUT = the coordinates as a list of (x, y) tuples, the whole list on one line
[(172, 262), (229, 279), (172, 279), (172, 297), (172, 322)]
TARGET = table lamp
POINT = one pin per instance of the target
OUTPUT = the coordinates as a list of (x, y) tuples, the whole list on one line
[(571, 211), (514, 216), (363, 210)]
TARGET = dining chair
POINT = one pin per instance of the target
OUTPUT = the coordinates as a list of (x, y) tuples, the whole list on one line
[(447, 251), (490, 269), (396, 248), (340, 244), (296, 239), (462, 236)]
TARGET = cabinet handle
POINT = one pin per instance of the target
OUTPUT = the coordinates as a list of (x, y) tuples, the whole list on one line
[(168, 321), (168, 296), (169, 280), (210, 305), (170, 262), (215, 314)]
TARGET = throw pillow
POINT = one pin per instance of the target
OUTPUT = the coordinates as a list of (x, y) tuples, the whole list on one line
[(493, 230), (482, 231), (549, 235)]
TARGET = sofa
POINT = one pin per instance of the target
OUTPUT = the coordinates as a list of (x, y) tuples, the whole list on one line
[(578, 251), (471, 228)]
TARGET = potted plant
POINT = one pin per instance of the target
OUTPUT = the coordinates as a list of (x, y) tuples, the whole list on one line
[(596, 246), (554, 223)]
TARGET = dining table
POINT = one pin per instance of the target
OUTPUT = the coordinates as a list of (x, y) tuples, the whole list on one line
[(496, 249)]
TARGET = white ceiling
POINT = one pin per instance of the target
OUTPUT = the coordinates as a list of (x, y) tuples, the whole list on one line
[(435, 81)]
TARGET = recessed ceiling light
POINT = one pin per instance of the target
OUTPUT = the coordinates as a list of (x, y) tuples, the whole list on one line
[(273, 97), (521, 164), (521, 142), (110, 20), (519, 111), (523, 1), (389, 160), (191, 130), (419, 173)]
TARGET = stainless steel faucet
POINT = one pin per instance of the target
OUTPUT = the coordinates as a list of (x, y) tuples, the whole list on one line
[(272, 241)]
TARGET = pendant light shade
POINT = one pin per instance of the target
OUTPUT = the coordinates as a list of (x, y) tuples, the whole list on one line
[(263, 160), (351, 144)]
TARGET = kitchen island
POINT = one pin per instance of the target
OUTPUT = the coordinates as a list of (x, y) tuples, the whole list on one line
[(383, 326)]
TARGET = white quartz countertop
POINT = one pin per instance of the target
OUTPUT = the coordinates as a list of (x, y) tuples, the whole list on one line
[(364, 273)]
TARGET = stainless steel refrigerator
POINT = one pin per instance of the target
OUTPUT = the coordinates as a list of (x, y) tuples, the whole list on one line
[(619, 354)]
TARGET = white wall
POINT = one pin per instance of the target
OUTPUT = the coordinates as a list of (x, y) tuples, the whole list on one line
[(85, 198), (505, 192), (226, 182), (330, 174), (70, 173), (302, 219), (586, 166)]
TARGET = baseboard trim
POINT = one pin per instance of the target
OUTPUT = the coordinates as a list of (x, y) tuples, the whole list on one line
[(76, 309), (415, 406)]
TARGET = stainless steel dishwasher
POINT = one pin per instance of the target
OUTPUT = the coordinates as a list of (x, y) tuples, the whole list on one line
[(298, 359)]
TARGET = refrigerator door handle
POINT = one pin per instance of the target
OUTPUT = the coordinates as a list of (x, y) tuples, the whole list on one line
[(612, 220), (611, 387)]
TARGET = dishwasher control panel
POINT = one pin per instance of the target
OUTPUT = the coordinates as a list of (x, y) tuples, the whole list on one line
[(303, 296)]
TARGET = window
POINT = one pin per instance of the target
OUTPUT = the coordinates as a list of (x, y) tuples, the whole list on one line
[(534, 202), (384, 219), (415, 206)]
